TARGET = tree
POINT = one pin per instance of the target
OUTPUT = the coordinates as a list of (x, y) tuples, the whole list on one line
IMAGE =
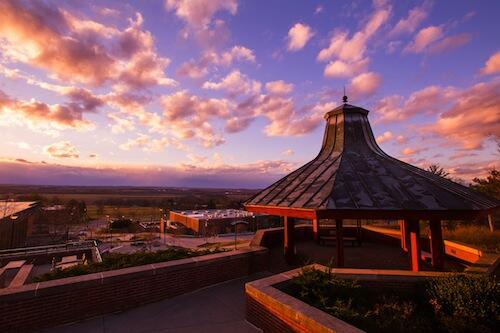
[(438, 170), (489, 186)]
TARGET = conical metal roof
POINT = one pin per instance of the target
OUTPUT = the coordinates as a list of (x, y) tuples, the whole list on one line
[(352, 176)]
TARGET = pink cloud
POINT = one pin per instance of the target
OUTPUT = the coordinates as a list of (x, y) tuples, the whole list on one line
[(450, 43), (428, 100), (51, 117), (386, 136), (492, 65), (424, 38), (298, 36), (279, 87), (473, 117), (364, 85), (199, 13), (410, 23), (235, 84), (79, 50)]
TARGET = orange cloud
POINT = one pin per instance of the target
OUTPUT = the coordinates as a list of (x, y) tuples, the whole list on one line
[(492, 65), (62, 149), (79, 50)]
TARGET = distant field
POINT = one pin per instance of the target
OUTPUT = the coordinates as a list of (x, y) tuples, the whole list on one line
[(128, 212)]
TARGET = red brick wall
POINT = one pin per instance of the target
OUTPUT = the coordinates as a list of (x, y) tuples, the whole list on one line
[(46, 304)]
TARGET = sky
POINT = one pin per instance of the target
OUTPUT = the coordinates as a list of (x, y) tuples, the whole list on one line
[(228, 93)]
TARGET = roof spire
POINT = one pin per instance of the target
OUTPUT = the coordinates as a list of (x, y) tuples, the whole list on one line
[(344, 98)]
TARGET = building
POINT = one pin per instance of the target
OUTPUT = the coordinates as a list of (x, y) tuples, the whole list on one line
[(17, 219), (216, 221)]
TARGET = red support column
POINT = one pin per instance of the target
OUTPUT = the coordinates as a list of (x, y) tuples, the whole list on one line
[(404, 238), (289, 239), (437, 244), (412, 229), (315, 225), (339, 242)]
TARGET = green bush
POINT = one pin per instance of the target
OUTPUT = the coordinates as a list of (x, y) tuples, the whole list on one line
[(465, 303), (118, 260), (455, 303)]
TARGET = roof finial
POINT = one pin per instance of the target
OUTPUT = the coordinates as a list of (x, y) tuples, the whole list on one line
[(344, 99)]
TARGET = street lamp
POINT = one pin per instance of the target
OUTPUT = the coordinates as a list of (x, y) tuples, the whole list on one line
[(236, 223)]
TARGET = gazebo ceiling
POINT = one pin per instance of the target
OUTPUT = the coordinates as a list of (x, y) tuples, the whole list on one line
[(352, 177)]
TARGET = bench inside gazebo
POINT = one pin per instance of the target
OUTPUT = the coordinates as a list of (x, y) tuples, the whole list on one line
[(352, 178)]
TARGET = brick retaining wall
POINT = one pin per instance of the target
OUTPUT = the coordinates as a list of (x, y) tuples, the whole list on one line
[(46, 304)]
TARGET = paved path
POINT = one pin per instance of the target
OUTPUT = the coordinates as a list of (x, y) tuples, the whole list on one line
[(220, 308)]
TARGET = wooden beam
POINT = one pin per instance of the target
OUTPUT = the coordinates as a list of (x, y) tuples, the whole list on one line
[(339, 242), (437, 244), (372, 214), (289, 239), (491, 222), (315, 227), (300, 213), (404, 238), (412, 229)]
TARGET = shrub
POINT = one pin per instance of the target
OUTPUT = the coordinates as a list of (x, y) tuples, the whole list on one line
[(118, 260), (465, 303)]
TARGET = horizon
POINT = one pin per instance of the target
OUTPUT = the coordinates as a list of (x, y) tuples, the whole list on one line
[(186, 94)]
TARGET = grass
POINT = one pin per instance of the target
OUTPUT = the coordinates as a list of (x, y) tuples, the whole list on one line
[(477, 236), (118, 260), (134, 212)]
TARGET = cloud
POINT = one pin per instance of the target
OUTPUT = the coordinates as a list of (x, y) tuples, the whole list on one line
[(428, 100), (47, 117), (364, 85), (412, 151), (467, 116), (410, 23), (235, 84), (218, 175), (450, 43), (288, 152), (199, 69), (353, 49), (341, 69), (318, 9), (61, 149), (424, 38), (187, 116), (279, 87), (473, 117), (346, 55), (198, 13), (199, 18), (298, 36), (79, 50), (492, 65), (384, 137)]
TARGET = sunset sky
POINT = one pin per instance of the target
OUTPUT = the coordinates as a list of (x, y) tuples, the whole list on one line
[(228, 93)]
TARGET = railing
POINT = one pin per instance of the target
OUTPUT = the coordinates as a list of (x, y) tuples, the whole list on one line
[(46, 249)]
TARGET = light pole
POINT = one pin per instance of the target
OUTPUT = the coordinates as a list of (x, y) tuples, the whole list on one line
[(236, 223)]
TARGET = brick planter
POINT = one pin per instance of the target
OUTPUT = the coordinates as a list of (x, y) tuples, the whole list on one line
[(273, 310)]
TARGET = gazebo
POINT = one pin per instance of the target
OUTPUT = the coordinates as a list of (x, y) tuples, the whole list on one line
[(352, 178)]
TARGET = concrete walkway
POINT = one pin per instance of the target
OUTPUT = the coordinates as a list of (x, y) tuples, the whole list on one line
[(219, 308)]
